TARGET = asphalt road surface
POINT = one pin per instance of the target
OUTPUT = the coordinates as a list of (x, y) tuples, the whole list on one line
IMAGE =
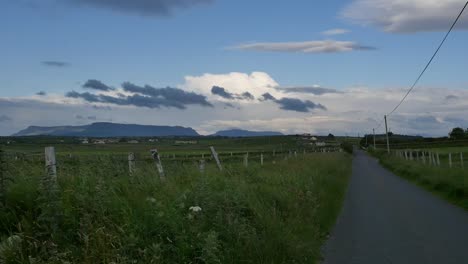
[(386, 219)]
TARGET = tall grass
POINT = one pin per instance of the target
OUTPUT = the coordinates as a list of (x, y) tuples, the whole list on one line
[(451, 184), (278, 213)]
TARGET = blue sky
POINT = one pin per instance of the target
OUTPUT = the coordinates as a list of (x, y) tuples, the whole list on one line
[(114, 45)]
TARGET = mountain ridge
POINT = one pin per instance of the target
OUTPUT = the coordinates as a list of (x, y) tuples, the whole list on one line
[(106, 129)]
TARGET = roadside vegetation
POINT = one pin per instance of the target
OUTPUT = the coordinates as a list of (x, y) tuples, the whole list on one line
[(449, 183), (280, 212)]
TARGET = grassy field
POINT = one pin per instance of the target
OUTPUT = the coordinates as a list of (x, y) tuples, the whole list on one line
[(280, 212), (449, 183)]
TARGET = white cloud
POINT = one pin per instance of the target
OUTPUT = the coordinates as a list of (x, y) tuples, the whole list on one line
[(354, 110), (257, 83), (335, 31), (317, 46), (407, 16)]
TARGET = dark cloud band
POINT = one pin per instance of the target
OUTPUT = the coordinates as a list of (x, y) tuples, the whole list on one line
[(141, 7)]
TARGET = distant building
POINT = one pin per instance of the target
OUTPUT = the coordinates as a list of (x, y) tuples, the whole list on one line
[(99, 142), (85, 141), (320, 144), (153, 140), (133, 142)]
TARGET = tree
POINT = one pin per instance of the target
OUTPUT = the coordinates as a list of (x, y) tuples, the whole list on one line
[(457, 133), (331, 137)]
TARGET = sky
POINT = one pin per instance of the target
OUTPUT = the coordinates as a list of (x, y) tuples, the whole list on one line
[(300, 66)]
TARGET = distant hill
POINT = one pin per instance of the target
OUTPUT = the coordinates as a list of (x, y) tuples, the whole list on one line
[(245, 133), (108, 130)]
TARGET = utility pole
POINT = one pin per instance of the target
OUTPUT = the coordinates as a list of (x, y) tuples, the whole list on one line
[(386, 130), (373, 132)]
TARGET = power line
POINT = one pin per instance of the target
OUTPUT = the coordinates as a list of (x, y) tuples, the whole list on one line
[(427, 65), (432, 58)]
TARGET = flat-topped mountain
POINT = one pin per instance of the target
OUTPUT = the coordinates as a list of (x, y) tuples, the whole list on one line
[(108, 130)]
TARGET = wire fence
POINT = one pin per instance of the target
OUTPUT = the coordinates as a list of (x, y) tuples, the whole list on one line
[(431, 158)]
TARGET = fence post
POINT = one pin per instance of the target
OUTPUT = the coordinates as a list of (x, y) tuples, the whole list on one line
[(261, 159), (423, 157), (450, 160), (295, 154), (215, 156), (157, 159), (461, 159), (131, 162), (50, 164), (411, 155), (246, 160), (438, 159), (201, 166)]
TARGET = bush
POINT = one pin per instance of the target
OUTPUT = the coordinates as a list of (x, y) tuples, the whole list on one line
[(348, 147)]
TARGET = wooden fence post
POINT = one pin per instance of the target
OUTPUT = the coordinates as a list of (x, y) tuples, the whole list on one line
[(438, 159), (201, 166), (423, 157), (50, 164), (215, 156), (450, 160), (157, 159), (131, 162), (461, 159), (261, 159), (246, 160)]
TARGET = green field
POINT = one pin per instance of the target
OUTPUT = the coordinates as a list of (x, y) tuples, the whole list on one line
[(449, 183), (98, 212)]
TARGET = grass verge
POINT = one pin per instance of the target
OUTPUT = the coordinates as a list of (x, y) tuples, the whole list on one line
[(450, 184), (278, 213)]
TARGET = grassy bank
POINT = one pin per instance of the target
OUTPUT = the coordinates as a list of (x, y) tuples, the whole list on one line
[(450, 184), (278, 213)]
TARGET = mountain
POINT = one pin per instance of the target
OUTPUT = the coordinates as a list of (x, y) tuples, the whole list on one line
[(245, 133), (108, 130)]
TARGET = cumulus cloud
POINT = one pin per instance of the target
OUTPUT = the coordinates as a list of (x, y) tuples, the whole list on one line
[(57, 64), (235, 83), (319, 46), (146, 96), (220, 91), (335, 31), (354, 110), (141, 7), (97, 85), (293, 104), (168, 96), (316, 90), (407, 16)]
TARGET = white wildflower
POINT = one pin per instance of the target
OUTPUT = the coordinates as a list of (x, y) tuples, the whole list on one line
[(151, 199), (195, 209)]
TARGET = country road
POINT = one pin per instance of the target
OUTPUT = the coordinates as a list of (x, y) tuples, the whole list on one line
[(386, 219)]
